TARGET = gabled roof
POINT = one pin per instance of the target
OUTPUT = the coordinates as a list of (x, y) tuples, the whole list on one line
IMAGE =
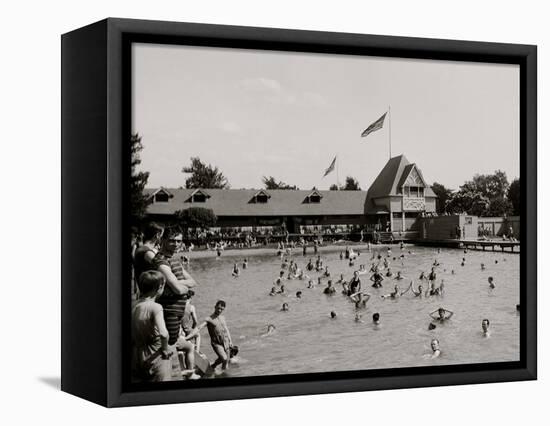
[(195, 192), (393, 176), (386, 183), (236, 202), (152, 193)]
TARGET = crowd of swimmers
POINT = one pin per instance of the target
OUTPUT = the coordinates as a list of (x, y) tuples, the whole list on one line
[(166, 327), (380, 275)]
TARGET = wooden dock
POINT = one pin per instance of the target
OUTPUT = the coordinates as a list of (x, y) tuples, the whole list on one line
[(482, 245)]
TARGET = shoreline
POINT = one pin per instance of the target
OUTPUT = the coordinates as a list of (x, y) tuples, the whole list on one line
[(297, 251)]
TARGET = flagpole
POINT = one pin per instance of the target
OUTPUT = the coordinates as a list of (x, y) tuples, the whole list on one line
[(337, 173), (389, 113)]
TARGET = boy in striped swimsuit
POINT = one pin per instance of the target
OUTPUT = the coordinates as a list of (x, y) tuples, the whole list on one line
[(173, 298)]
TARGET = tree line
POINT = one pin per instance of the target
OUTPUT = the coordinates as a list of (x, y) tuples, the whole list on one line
[(484, 195)]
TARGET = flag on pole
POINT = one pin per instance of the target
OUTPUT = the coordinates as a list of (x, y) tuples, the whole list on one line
[(330, 168), (377, 125)]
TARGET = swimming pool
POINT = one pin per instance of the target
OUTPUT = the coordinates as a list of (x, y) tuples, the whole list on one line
[(307, 340)]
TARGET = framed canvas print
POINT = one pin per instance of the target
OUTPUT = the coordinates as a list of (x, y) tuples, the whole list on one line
[(254, 212)]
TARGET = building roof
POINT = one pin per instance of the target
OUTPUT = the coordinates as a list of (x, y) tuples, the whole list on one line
[(241, 202), (281, 202), (390, 179)]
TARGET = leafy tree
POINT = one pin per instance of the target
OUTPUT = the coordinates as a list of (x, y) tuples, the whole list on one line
[(271, 183), (467, 201), (204, 176), (138, 180), (443, 195), (514, 196), (351, 184), (484, 195), (195, 217)]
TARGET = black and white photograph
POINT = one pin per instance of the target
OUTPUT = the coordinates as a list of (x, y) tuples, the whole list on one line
[(299, 212)]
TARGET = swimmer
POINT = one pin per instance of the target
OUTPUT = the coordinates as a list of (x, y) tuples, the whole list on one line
[(376, 319), (280, 278), (270, 329), (351, 262), (485, 328), (341, 255), (282, 290), (285, 307), (483, 266), (491, 282), (284, 265), (417, 293), (345, 289), (442, 314), (389, 273), (273, 291), (309, 265), (326, 273), (496, 261), (439, 290), (435, 348), (432, 326), (360, 300), (332, 315), (358, 318), (355, 283), (298, 295), (310, 284), (245, 263), (432, 277), (329, 290), (395, 293), (399, 276), (236, 271), (362, 270), (377, 279)]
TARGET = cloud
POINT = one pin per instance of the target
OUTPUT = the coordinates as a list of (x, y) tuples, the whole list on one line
[(274, 92), (262, 84)]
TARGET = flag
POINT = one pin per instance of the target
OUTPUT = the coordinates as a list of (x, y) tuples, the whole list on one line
[(377, 125), (330, 168)]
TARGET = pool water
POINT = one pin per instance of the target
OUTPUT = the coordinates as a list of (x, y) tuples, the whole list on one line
[(307, 340)]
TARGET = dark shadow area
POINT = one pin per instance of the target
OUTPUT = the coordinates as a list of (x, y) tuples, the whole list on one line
[(54, 382)]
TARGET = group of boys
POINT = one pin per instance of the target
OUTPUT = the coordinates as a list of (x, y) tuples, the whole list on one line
[(164, 323)]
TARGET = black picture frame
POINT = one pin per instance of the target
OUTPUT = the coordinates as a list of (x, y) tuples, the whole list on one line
[(95, 172)]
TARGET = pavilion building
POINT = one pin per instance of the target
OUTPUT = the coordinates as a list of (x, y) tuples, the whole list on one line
[(396, 198)]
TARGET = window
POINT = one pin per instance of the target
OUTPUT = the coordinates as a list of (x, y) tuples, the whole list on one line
[(199, 197), (261, 198), (161, 197), (314, 198)]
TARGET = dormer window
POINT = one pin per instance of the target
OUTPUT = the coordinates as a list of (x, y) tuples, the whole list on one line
[(261, 197), (162, 196), (198, 196), (314, 198)]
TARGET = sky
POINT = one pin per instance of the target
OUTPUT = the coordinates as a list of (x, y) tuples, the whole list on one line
[(285, 114)]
